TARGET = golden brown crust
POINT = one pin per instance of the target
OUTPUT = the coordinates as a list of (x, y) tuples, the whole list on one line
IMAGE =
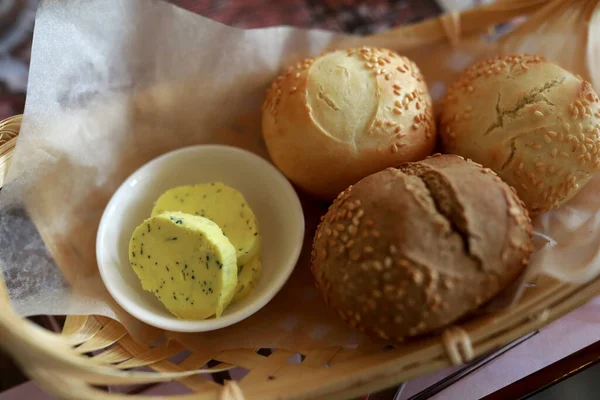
[(406, 251), (534, 123), (327, 129)]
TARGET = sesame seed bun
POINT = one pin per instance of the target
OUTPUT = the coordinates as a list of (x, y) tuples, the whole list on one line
[(334, 119), (409, 250), (534, 123)]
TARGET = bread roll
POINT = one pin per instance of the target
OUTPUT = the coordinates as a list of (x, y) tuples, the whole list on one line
[(409, 250), (529, 120), (334, 119)]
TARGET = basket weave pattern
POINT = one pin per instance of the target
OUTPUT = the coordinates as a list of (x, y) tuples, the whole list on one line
[(94, 351)]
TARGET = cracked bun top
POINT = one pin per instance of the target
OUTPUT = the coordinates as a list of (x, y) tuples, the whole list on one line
[(334, 119), (534, 123), (412, 249)]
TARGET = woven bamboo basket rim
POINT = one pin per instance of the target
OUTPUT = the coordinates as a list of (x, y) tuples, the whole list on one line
[(94, 351)]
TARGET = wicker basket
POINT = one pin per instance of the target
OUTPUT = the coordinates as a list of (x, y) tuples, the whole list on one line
[(93, 351)]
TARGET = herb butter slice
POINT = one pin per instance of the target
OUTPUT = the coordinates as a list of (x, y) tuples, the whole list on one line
[(187, 262), (221, 204), (248, 274)]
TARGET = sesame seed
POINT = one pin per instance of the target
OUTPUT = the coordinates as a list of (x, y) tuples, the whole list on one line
[(538, 113), (396, 92), (447, 284), (537, 146), (554, 152), (417, 277), (397, 111), (378, 266), (368, 249), (547, 139)]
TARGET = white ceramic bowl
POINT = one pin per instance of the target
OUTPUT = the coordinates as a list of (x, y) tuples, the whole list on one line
[(271, 196)]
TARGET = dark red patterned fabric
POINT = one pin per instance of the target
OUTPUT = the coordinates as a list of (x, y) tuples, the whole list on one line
[(350, 16)]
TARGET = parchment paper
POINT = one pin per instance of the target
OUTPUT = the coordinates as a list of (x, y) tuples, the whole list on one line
[(115, 83)]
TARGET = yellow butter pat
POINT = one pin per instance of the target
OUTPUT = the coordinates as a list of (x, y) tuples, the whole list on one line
[(221, 204), (187, 262), (248, 275)]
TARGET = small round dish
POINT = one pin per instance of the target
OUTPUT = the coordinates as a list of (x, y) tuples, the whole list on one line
[(272, 198)]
